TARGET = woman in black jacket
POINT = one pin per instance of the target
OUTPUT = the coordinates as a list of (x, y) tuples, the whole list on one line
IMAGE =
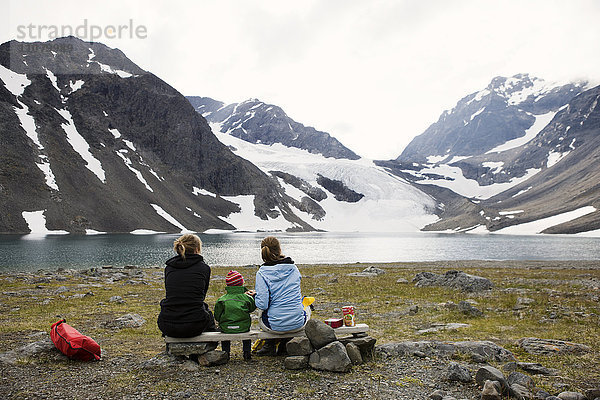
[(183, 312)]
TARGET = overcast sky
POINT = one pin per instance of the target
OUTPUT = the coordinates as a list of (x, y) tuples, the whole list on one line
[(373, 73)]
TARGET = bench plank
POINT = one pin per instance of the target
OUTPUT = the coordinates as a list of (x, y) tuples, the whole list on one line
[(254, 334)]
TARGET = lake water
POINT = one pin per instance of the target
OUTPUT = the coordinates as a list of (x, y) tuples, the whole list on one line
[(29, 252)]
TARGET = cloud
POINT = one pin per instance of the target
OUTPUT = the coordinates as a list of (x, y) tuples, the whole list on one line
[(373, 73)]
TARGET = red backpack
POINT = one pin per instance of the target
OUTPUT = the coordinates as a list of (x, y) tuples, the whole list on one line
[(72, 343)]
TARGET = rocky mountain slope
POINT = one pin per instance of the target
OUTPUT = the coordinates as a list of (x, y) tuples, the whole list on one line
[(91, 142), (258, 122), (518, 157)]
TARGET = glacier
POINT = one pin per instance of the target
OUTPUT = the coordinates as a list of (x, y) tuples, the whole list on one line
[(390, 204)]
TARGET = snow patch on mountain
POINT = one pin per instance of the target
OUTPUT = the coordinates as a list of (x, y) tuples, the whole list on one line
[(246, 220), (554, 157), (160, 211), (534, 227), (29, 126), (457, 182), (129, 164), (389, 202), (14, 82), (75, 86), (80, 145), (197, 191), (540, 123), (36, 221)]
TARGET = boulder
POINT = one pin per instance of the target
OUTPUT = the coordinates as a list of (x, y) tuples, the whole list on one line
[(491, 390), (489, 373), (455, 280), (481, 350), (536, 368), (571, 396), (296, 362), (163, 360), (541, 395), (458, 373), (319, 333), (365, 344), (29, 350), (332, 357), (538, 346), (437, 395), (520, 392), (592, 394), (126, 321), (213, 357), (521, 379), (354, 354), (299, 346), (468, 309), (186, 349), (368, 272)]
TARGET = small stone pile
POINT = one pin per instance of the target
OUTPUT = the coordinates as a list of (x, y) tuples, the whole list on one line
[(321, 350)]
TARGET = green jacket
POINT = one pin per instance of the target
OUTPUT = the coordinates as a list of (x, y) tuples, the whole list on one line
[(233, 309)]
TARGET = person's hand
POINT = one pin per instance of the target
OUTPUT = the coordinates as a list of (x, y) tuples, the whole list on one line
[(251, 292)]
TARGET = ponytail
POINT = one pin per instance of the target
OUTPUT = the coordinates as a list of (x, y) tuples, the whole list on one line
[(270, 249), (187, 244)]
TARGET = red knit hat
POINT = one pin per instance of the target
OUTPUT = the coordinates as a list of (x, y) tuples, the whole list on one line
[(234, 278)]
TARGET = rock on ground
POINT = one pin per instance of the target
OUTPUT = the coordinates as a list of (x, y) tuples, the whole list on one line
[(319, 333), (296, 362), (332, 357), (551, 346), (186, 349), (479, 350), (368, 272), (213, 357), (126, 321), (354, 354), (299, 346), (492, 390), (458, 373), (455, 280), (489, 373)]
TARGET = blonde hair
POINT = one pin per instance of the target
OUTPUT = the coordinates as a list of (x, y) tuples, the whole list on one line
[(270, 249), (187, 243)]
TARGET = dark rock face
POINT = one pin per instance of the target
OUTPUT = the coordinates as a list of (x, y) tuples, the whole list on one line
[(314, 193), (257, 122), (340, 191), (147, 148)]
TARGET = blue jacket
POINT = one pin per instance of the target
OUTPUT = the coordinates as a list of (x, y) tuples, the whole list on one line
[(278, 292)]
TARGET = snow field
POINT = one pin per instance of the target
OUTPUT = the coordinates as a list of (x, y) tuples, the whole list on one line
[(390, 203), (36, 221)]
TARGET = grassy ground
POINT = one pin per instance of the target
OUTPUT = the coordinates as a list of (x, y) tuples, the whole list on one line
[(565, 306)]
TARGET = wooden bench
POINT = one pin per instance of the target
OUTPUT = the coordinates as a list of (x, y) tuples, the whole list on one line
[(358, 330)]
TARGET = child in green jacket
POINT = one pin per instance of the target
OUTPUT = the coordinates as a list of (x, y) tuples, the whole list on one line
[(233, 309)]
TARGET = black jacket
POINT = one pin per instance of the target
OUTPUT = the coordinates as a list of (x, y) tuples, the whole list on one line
[(183, 310)]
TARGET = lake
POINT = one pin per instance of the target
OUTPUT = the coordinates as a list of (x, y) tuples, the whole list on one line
[(30, 252)]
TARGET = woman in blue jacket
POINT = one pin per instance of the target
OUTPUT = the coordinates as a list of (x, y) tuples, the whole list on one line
[(278, 295)]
